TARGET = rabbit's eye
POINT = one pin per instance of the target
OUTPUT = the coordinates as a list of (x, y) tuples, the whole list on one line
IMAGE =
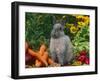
[(60, 28)]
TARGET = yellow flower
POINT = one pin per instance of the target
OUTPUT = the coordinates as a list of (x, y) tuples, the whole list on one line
[(86, 20), (81, 24), (73, 29)]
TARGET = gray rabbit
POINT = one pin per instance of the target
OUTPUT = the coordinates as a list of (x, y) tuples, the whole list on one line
[(60, 44)]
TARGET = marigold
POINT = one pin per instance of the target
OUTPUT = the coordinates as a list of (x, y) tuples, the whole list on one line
[(73, 29)]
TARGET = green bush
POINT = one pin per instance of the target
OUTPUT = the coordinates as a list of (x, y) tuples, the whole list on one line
[(38, 29)]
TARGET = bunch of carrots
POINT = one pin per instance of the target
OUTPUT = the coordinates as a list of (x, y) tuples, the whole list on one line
[(41, 57)]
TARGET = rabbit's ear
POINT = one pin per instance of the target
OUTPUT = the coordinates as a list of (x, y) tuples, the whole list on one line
[(63, 22), (54, 19)]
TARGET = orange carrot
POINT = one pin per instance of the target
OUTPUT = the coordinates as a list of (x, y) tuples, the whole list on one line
[(34, 54), (42, 49), (45, 56), (41, 53), (38, 63), (50, 61)]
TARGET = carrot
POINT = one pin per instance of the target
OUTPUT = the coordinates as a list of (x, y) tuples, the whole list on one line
[(38, 63), (42, 49), (45, 57), (34, 54), (41, 53), (50, 61)]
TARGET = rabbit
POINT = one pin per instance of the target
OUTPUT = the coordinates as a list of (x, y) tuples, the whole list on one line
[(61, 48)]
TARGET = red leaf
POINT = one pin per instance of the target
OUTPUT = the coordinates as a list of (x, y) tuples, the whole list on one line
[(87, 61), (81, 58)]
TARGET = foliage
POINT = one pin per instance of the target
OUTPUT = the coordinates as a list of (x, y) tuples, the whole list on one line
[(81, 40), (38, 28)]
